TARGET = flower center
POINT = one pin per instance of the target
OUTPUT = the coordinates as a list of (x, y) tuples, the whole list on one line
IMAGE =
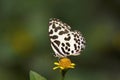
[(65, 62)]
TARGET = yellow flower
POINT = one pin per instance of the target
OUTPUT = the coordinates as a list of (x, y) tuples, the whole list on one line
[(64, 63)]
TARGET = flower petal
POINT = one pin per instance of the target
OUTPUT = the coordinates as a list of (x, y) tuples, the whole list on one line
[(56, 63), (55, 67)]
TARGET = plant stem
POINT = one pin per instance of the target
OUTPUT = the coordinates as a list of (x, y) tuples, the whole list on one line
[(63, 73)]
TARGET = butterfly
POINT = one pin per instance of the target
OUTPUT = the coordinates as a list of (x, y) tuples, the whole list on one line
[(64, 41)]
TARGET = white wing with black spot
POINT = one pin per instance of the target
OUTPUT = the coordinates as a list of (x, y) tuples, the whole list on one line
[(65, 42)]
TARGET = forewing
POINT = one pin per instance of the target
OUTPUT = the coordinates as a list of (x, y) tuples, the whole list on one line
[(57, 31)]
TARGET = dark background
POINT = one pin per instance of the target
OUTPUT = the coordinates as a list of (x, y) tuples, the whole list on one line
[(25, 45)]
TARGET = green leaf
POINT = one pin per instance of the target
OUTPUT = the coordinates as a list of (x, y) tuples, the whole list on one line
[(36, 76)]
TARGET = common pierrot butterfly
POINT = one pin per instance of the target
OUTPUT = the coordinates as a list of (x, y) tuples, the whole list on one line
[(64, 41)]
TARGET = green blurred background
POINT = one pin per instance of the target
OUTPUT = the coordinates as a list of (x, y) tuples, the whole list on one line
[(25, 45)]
